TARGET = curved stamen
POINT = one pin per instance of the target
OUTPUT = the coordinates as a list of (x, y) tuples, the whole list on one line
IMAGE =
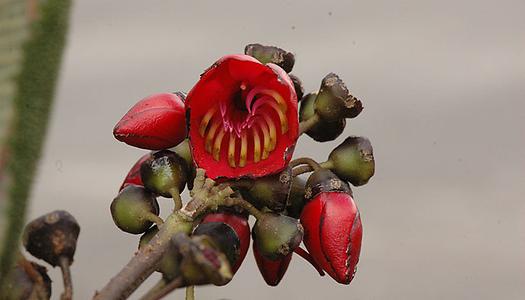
[(217, 144), (256, 145), (211, 134), (266, 139), (278, 109), (273, 131), (244, 149), (206, 119), (231, 150)]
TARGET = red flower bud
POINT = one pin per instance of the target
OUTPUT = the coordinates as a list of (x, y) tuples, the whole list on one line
[(243, 118), (333, 233), (241, 227), (156, 122), (272, 270), (133, 176)]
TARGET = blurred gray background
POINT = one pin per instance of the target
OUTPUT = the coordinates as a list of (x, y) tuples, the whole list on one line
[(443, 87)]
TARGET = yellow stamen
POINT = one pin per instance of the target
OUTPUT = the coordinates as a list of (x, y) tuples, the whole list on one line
[(266, 138), (282, 116), (256, 145), (211, 134), (217, 144), (276, 96), (273, 131), (206, 119), (231, 150), (244, 150)]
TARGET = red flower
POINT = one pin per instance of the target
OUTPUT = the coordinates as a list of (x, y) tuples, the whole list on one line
[(240, 225), (156, 122), (271, 270), (243, 118), (133, 176), (333, 233)]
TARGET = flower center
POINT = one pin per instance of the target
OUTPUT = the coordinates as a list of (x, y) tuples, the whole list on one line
[(243, 128)]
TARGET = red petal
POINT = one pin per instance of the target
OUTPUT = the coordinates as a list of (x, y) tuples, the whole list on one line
[(156, 122), (240, 226), (333, 234), (271, 270)]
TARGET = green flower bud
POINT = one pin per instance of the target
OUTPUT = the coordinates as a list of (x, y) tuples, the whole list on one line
[(52, 236), (169, 263), (353, 160), (270, 191), (133, 208), (271, 54), (27, 280), (334, 101), (184, 151), (323, 130), (296, 200), (276, 236), (164, 173), (324, 180)]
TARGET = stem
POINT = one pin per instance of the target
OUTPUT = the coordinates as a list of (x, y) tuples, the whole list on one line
[(143, 264), (174, 284), (252, 210), (175, 194), (190, 292), (306, 125), (154, 218), (155, 289), (301, 170), (305, 161), (66, 275)]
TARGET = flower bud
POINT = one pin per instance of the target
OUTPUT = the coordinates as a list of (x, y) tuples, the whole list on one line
[(52, 236), (183, 150), (333, 233), (323, 181), (271, 54), (202, 260), (27, 280), (224, 237), (156, 122), (164, 173), (296, 199), (239, 224), (132, 209), (270, 191), (169, 263), (353, 160), (325, 129), (276, 236), (334, 101), (298, 86), (272, 270)]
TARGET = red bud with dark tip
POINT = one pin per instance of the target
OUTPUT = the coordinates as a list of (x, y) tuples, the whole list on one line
[(333, 230), (271, 270), (156, 122), (241, 227)]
